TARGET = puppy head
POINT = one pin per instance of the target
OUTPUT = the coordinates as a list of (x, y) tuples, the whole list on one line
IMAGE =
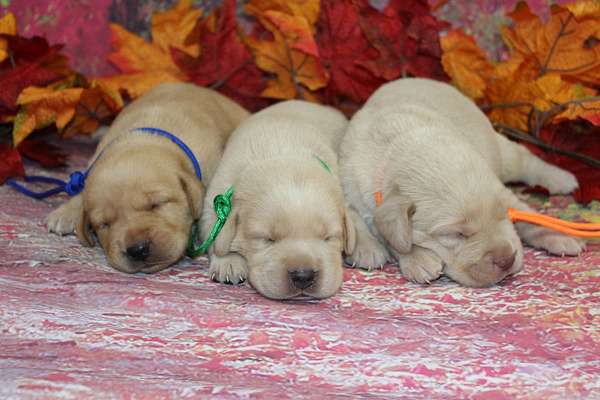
[(292, 228), (140, 210), (480, 242)]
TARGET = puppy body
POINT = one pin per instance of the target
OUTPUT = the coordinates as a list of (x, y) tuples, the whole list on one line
[(440, 167), (142, 193), (289, 215)]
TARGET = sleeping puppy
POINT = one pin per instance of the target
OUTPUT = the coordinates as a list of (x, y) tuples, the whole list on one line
[(289, 224), (436, 166), (142, 193)]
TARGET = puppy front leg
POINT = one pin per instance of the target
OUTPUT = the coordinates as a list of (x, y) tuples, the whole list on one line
[(543, 238), (369, 252), (420, 265), (65, 218), (230, 268)]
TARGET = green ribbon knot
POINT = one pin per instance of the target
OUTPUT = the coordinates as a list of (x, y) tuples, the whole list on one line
[(222, 206)]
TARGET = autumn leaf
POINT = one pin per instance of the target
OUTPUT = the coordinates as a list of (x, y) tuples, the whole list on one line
[(171, 28), (466, 64), (290, 56), (572, 101), (43, 106), (407, 38), (514, 93), (584, 9), (32, 62), (11, 164), (48, 155), (134, 54), (95, 107), (8, 26), (344, 51), (583, 141), (306, 9), (564, 45), (224, 64)]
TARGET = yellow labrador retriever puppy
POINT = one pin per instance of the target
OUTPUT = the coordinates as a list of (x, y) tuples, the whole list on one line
[(289, 224), (143, 191), (435, 164)]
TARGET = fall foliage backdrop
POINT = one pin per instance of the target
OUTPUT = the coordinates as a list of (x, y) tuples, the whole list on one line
[(542, 92)]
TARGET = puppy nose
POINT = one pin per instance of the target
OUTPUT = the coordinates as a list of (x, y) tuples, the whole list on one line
[(139, 251), (505, 263), (302, 277)]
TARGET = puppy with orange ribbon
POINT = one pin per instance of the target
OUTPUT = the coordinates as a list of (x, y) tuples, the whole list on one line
[(424, 172)]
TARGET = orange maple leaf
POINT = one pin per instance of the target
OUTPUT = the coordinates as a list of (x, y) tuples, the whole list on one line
[(8, 26), (466, 63), (171, 28), (571, 101), (513, 94), (584, 9), (307, 9), (43, 106), (564, 45), (292, 56)]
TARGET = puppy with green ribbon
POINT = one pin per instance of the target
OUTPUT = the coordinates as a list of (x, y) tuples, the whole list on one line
[(288, 225)]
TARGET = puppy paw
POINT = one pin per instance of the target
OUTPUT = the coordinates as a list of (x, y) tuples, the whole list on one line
[(62, 220), (558, 181), (230, 269), (368, 254), (558, 244), (420, 265)]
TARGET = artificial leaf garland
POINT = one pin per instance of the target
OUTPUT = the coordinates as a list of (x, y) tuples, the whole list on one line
[(335, 52)]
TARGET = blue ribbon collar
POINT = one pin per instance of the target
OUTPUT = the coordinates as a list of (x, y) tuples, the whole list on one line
[(76, 182)]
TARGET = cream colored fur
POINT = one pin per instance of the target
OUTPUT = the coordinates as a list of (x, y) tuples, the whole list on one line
[(440, 167), (143, 187), (288, 210)]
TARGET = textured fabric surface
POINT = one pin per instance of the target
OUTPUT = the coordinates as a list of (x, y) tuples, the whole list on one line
[(70, 327)]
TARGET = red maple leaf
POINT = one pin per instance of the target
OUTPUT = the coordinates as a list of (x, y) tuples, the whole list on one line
[(407, 38), (344, 51), (11, 164), (48, 155), (224, 63), (31, 62), (562, 136)]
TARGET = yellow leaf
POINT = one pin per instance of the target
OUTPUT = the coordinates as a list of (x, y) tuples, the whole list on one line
[(579, 100), (307, 9), (8, 25), (41, 107), (171, 28), (134, 85), (134, 54), (466, 63), (584, 9)]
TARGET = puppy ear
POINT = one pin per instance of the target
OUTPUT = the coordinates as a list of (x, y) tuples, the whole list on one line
[(349, 234), (222, 244), (194, 191), (84, 230), (393, 221)]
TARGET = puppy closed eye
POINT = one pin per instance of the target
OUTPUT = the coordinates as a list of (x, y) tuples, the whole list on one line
[(332, 238), (102, 225), (264, 239), (157, 204)]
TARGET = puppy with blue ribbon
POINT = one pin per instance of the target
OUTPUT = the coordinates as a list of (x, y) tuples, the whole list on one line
[(144, 187)]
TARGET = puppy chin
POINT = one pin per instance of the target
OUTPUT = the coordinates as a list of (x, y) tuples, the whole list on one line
[(165, 254)]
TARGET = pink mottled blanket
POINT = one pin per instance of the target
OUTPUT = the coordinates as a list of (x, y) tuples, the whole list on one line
[(72, 328)]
